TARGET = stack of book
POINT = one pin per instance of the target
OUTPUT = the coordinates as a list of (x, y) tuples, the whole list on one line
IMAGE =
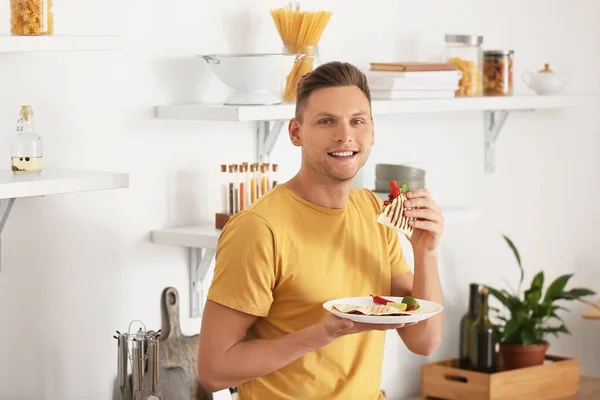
[(413, 80)]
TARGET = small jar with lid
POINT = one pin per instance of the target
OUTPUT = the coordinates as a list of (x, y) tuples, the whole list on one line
[(465, 51), (31, 17), (498, 72)]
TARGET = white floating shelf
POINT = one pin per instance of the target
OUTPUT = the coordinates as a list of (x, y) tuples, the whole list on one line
[(452, 214), (18, 44), (53, 181), (201, 240), (219, 112), (58, 181), (206, 236), (195, 236)]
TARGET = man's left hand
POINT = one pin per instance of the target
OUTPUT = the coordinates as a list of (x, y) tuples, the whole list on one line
[(429, 223)]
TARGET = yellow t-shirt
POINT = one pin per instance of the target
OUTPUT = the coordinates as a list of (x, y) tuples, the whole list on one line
[(281, 259)]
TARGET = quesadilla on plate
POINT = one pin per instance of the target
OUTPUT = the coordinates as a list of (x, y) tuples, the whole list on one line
[(372, 310)]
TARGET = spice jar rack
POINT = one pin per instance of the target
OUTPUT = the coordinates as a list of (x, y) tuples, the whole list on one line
[(241, 185)]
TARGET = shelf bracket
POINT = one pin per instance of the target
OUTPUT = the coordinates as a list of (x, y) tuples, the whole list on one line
[(493, 120), (267, 133), (5, 207), (199, 264)]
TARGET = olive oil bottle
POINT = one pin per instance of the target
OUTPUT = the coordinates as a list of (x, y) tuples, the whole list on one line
[(27, 147), (483, 346), (466, 322)]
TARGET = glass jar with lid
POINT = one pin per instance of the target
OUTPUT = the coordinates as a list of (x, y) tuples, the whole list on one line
[(498, 72), (465, 51), (27, 146), (31, 17)]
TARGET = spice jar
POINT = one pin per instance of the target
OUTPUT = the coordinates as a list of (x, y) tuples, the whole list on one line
[(31, 17), (466, 53), (498, 72)]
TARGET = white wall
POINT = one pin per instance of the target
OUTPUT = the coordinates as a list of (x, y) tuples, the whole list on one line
[(77, 267)]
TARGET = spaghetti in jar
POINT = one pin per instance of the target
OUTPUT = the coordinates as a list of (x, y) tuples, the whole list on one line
[(31, 17), (300, 31)]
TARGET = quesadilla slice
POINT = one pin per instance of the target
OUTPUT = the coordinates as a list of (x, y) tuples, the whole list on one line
[(370, 310), (392, 211)]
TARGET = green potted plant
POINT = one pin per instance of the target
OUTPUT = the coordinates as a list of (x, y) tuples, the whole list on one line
[(529, 318)]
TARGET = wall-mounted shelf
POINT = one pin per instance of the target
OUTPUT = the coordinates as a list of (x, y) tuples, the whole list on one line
[(270, 119), (53, 181), (201, 240), (57, 43)]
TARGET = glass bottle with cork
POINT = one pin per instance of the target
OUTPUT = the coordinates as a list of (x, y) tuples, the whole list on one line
[(466, 322), (27, 147), (483, 343)]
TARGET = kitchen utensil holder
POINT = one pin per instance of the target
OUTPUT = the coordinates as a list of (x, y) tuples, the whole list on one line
[(133, 350)]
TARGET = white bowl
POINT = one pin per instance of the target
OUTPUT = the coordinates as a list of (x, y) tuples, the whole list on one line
[(255, 77)]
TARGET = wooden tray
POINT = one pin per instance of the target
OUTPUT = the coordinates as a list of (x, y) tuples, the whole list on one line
[(558, 377)]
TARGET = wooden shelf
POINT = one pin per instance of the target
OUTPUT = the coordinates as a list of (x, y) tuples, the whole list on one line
[(57, 43), (219, 112), (57, 181)]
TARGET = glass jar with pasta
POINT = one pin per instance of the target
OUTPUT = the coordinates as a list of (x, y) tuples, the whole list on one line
[(466, 53), (498, 72), (307, 63), (31, 17)]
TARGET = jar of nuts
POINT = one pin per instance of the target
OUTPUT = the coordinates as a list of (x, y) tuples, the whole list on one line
[(466, 53), (498, 72)]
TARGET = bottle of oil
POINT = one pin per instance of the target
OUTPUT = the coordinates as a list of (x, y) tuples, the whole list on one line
[(466, 322), (27, 147), (483, 344)]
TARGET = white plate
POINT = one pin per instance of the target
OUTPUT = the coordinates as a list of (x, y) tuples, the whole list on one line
[(426, 310)]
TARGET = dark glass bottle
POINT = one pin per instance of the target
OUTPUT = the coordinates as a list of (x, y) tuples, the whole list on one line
[(483, 345), (465, 326)]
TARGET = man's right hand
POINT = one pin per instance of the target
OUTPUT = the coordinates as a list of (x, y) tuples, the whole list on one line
[(335, 326)]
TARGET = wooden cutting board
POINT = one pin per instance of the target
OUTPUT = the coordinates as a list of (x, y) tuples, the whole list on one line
[(178, 355)]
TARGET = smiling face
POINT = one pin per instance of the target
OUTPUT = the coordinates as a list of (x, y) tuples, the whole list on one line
[(335, 132)]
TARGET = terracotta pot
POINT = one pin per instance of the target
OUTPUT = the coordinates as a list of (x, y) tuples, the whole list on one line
[(518, 356)]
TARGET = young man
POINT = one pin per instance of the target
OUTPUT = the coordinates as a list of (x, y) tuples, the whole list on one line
[(310, 240)]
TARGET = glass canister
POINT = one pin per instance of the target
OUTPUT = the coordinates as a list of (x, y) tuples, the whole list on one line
[(466, 53), (498, 72), (31, 17), (27, 147), (309, 61)]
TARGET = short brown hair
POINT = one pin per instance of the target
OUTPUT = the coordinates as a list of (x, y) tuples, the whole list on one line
[(331, 74)]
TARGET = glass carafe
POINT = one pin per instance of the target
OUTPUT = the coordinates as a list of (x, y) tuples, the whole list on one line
[(27, 150)]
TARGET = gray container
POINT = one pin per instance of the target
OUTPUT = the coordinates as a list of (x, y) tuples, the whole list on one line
[(384, 185), (398, 172)]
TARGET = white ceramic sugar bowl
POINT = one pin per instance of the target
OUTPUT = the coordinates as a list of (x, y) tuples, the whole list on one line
[(546, 81)]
